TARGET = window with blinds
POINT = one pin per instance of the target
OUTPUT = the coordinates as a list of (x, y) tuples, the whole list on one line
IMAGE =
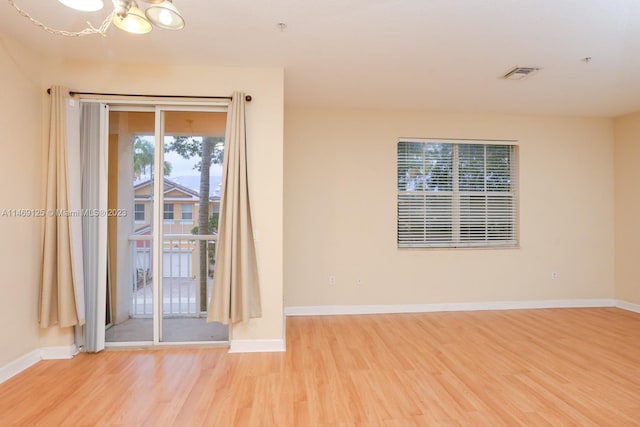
[(457, 194)]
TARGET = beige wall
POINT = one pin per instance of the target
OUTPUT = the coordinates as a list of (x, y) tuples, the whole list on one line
[(627, 207), (264, 129), (340, 211), (21, 124), (23, 78)]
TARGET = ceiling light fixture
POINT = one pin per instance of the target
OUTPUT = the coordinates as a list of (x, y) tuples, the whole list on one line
[(164, 14), (126, 15)]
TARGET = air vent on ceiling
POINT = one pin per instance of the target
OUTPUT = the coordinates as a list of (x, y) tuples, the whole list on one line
[(520, 73)]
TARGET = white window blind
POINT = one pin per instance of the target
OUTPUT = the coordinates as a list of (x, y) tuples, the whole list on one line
[(457, 194)]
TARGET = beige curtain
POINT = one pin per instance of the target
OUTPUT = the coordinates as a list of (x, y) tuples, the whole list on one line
[(61, 291), (236, 290)]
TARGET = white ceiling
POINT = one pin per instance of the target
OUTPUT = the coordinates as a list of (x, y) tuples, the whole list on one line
[(444, 55)]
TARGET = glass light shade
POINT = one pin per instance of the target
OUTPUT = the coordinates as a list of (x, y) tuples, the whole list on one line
[(83, 5), (165, 15), (134, 22)]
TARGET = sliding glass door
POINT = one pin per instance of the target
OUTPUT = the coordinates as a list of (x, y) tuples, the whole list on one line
[(165, 168), (193, 152), (132, 148)]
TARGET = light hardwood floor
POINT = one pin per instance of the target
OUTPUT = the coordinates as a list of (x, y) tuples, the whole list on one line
[(528, 367)]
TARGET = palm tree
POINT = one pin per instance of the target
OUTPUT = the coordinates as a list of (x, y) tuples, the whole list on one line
[(143, 159)]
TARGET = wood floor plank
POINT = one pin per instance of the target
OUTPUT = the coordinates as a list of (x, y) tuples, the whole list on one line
[(522, 367)]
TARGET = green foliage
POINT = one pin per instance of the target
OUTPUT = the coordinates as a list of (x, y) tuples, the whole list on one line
[(213, 225)]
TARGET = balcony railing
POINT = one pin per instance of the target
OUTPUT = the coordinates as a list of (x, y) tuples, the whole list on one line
[(182, 288)]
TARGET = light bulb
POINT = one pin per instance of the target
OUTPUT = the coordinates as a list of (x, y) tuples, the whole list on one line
[(133, 22), (165, 17)]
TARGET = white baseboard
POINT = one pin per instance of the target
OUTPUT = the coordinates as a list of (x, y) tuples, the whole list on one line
[(628, 306), (46, 353), (325, 310), (256, 346), (20, 364), (60, 352)]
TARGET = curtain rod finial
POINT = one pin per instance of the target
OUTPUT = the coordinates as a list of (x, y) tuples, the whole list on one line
[(248, 98)]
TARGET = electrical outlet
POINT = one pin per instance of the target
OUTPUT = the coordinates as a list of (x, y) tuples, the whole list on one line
[(332, 280), (554, 275), (359, 282)]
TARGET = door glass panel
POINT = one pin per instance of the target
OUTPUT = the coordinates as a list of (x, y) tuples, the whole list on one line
[(193, 150), (193, 154), (132, 149)]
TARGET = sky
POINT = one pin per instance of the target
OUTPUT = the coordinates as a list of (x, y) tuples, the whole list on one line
[(184, 167)]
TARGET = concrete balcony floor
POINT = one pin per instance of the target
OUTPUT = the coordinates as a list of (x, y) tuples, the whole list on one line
[(176, 329)]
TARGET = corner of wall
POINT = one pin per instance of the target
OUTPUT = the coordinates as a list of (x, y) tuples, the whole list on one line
[(627, 206), (25, 361)]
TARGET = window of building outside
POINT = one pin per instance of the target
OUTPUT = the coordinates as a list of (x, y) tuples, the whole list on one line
[(138, 213), (457, 194), (168, 212), (187, 213)]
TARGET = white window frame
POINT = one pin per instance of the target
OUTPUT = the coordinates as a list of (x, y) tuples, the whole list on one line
[(448, 205)]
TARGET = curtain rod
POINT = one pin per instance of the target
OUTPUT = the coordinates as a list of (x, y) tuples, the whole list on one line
[(73, 93)]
